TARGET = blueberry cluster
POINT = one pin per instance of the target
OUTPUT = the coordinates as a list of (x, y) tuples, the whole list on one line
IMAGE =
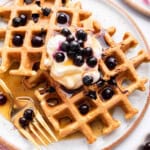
[(20, 21), (3, 99), (27, 118), (75, 50)]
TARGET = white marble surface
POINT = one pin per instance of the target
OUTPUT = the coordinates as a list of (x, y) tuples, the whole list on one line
[(137, 137)]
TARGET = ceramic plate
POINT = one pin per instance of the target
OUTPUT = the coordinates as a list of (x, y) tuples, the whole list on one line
[(108, 15)]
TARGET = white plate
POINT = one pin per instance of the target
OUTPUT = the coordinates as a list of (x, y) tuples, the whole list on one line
[(109, 15)]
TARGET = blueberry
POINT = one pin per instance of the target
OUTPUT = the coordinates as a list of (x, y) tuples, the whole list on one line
[(37, 2), (147, 146), (87, 80), (100, 83), (81, 35), (28, 1), (92, 94), (16, 22), (23, 122), (35, 17), (71, 54), (88, 52), (65, 46), (46, 11), (112, 81), (91, 62), (111, 62), (28, 114), (62, 18), (74, 46), (23, 18), (3, 99), (81, 43), (107, 93), (70, 38), (17, 40), (78, 60), (51, 89), (84, 109), (66, 32), (59, 57), (37, 41)]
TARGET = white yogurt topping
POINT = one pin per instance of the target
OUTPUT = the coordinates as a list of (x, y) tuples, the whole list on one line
[(66, 73)]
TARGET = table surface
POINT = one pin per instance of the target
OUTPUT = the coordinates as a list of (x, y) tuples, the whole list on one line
[(138, 136)]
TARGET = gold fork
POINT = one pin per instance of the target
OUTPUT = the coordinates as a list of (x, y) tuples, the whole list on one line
[(37, 130)]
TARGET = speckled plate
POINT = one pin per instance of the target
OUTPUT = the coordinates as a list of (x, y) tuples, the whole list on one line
[(108, 14)]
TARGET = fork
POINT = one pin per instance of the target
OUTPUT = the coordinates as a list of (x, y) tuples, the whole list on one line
[(38, 131)]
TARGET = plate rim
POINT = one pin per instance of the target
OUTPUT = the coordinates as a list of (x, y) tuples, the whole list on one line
[(138, 120), (121, 10)]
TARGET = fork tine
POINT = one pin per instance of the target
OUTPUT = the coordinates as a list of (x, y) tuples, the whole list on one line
[(28, 136), (36, 124), (46, 127), (31, 127)]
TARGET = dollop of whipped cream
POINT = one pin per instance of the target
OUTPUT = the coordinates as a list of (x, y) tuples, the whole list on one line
[(66, 73)]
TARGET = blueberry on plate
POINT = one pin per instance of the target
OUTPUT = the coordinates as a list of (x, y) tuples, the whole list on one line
[(91, 61), (84, 109), (87, 80), (59, 57), (107, 93), (65, 32), (37, 41), (62, 18), (28, 114), (81, 35), (65, 46), (78, 60), (3, 99), (23, 122), (17, 40), (16, 22), (111, 62)]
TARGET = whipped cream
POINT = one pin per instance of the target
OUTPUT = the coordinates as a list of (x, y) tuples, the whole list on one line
[(66, 73)]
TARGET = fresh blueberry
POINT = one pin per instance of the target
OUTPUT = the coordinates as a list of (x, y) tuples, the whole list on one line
[(81, 43), (91, 62), (111, 62), (78, 60), (17, 40), (70, 38), (87, 80), (16, 22), (112, 81), (71, 54), (37, 41), (65, 46), (3, 99), (84, 109), (66, 32), (37, 2), (107, 93), (146, 146), (59, 57), (81, 35), (62, 18), (35, 17), (23, 18), (92, 94), (23, 122), (88, 52), (74, 46), (28, 114), (46, 11)]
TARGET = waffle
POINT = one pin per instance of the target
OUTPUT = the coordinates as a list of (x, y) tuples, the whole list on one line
[(26, 55), (64, 105)]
